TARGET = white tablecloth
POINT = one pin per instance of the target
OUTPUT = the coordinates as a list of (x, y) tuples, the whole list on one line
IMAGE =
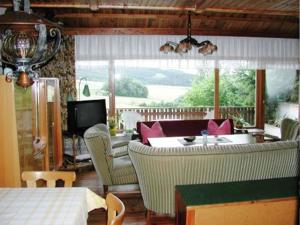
[(47, 206)]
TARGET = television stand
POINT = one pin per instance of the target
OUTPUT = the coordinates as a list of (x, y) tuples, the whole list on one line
[(76, 155)]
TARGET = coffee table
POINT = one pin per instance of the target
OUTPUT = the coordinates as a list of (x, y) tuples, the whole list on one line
[(211, 140)]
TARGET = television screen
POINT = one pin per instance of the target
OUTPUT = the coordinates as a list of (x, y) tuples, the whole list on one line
[(84, 114)]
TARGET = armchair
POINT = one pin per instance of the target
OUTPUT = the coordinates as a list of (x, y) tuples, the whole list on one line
[(110, 170), (118, 148), (289, 129)]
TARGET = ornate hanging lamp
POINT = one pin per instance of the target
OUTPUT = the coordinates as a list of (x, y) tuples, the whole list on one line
[(185, 45), (28, 42)]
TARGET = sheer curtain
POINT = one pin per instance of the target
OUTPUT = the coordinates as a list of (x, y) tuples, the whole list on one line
[(246, 52)]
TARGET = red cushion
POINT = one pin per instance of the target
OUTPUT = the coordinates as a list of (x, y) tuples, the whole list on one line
[(154, 131), (214, 129)]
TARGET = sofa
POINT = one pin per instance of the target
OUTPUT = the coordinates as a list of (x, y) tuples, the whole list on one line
[(160, 169), (173, 128)]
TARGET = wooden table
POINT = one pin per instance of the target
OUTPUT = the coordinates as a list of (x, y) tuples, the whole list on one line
[(264, 202), (47, 206), (212, 140)]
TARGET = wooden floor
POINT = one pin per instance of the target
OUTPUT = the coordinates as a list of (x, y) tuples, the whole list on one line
[(129, 194)]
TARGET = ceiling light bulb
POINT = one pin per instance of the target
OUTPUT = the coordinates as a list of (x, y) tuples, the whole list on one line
[(166, 48)]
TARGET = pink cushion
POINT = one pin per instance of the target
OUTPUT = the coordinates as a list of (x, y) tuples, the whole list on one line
[(214, 129), (154, 131)]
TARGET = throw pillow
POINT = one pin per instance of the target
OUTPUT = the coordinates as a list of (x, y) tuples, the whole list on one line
[(214, 129), (154, 131)]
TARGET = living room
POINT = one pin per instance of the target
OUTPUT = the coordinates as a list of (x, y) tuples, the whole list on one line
[(191, 62)]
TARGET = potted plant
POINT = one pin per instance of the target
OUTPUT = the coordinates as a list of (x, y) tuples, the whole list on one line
[(239, 121), (112, 126)]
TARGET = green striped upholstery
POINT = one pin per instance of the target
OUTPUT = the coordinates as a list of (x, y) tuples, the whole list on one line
[(289, 129), (160, 169), (118, 149), (110, 170)]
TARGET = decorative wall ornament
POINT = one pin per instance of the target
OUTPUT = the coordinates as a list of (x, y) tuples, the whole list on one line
[(28, 42)]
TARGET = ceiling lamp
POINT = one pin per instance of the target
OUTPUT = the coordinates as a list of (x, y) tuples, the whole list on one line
[(204, 47), (28, 42)]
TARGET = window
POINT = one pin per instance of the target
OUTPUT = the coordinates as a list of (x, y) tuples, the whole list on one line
[(281, 98), (95, 74), (237, 95), (164, 89), (151, 83)]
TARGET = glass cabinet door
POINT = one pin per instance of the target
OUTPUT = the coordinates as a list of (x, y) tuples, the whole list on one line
[(39, 125)]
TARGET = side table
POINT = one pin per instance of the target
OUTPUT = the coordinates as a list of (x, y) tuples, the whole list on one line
[(75, 152), (268, 202)]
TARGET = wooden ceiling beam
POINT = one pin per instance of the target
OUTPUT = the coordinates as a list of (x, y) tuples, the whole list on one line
[(113, 15), (63, 4), (169, 31), (254, 11), (171, 17), (84, 5)]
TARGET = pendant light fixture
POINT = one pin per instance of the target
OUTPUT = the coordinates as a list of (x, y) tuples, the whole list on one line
[(185, 45), (28, 42)]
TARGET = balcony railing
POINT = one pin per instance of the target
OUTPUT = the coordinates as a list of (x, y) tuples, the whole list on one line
[(189, 113)]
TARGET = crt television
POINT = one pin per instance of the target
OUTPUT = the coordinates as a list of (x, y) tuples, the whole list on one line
[(84, 114)]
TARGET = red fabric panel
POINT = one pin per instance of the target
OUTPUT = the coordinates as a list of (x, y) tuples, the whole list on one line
[(173, 128)]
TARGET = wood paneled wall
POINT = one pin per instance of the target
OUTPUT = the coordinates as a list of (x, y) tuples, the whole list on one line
[(9, 160)]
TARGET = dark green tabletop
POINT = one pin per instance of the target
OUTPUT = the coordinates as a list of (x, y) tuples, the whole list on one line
[(203, 194)]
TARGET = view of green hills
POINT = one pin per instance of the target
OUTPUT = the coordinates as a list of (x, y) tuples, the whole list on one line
[(149, 76)]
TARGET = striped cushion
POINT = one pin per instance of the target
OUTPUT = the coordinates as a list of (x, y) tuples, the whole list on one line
[(160, 169)]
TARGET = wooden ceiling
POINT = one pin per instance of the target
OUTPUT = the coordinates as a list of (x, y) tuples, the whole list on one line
[(252, 18)]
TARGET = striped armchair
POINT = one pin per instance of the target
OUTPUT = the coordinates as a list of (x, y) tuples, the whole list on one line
[(118, 148), (289, 129), (110, 170), (160, 169)]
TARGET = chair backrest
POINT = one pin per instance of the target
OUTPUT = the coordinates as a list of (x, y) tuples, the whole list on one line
[(103, 127), (99, 146), (115, 210), (289, 129), (49, 176), (130, 118)]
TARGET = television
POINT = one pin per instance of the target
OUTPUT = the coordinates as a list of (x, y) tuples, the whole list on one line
[(84, 114)]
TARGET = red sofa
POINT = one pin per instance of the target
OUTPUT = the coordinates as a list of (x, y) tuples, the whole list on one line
[(173, 128)]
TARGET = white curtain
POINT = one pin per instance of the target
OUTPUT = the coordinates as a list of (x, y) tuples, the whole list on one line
[(245, 52)]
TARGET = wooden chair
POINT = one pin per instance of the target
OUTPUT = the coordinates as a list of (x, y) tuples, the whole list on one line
[(115, 210), (49, 176)]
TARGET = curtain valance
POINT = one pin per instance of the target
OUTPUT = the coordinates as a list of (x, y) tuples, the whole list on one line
[(254, 53)]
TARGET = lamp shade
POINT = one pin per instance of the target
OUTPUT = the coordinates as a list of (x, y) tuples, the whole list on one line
[(28, 41), (86, 91)]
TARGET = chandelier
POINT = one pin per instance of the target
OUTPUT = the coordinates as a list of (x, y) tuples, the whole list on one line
[(185, 45), (28, 42)]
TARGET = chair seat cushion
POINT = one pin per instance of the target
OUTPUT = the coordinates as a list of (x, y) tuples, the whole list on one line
[(123, 171), (122, 166)]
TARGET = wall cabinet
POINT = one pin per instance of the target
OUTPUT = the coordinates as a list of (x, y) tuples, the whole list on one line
[(30, 135)]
